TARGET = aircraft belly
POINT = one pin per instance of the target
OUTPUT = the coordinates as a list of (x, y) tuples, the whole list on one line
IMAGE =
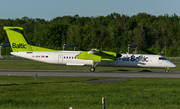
[(107, 63), (127, 64)]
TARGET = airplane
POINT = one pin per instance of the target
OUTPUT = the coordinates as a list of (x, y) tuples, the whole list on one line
[(94, 57)]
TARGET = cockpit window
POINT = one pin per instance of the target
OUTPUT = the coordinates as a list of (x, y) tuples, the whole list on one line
[(162, 58)]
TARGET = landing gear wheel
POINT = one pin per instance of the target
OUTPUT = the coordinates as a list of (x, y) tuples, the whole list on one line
[(167, 71), (92, 69)]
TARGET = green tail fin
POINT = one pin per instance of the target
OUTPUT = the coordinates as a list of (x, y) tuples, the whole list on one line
[(16, 39)]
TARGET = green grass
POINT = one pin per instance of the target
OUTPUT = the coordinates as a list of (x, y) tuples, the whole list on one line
[(30, 64), (62, 93), (8, 81)]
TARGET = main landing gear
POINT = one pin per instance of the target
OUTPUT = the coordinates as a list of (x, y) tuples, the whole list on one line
[(92, 69)]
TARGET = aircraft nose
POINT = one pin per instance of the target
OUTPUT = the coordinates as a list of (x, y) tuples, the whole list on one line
[(172, 65)]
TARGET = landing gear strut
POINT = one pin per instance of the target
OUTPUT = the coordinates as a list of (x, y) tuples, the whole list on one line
[(92, 69)]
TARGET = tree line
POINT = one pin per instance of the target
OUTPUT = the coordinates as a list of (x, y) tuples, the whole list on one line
[(152, 34)]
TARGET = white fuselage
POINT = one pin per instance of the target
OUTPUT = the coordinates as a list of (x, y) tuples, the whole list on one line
[(127, 60)]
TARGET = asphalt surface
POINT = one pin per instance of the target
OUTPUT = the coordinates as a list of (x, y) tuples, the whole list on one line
[(86, 73)]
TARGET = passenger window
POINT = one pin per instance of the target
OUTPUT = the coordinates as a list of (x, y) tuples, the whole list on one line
[(69, 57), (72, 57)]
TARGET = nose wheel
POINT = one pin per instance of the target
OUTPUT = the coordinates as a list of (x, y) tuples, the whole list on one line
[(167, 71)]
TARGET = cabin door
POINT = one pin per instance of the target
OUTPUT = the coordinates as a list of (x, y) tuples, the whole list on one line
[(60, 58)]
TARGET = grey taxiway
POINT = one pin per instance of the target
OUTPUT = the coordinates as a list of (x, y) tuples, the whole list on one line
[(86, 73)]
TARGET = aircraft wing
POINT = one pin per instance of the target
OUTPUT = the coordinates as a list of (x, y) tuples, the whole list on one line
[(97, 56)]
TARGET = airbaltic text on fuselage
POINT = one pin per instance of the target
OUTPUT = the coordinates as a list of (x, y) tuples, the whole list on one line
[(20, 45), (133, 58)]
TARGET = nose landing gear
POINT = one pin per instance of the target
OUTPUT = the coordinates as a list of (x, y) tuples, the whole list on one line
[(167, 70)]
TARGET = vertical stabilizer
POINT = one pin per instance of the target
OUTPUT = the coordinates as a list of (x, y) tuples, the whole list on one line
[(16, 39)]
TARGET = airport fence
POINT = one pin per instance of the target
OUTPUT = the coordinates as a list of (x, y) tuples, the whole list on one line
[(172, 59)]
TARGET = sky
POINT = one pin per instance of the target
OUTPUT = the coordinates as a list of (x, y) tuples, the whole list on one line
[(49, 9)]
